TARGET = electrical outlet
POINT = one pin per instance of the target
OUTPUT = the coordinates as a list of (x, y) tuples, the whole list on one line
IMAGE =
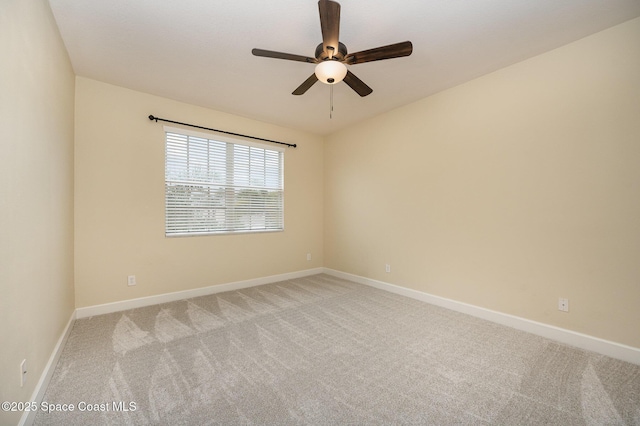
[(23, 372), (131, 280), (308, 256), (387, 268), (563, 304)]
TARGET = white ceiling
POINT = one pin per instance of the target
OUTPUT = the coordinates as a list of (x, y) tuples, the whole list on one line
[(199, 51)]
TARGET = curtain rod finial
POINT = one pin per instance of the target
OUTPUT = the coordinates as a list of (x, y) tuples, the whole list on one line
[(151, 117)]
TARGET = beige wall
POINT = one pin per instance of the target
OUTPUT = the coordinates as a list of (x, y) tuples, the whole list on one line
[(36, 194), (507, 192), (119, 202)]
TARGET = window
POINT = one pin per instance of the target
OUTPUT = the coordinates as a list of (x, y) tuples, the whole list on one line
[(221, 185)]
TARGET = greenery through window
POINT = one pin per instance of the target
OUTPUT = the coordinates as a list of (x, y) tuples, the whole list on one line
[(221, 185)]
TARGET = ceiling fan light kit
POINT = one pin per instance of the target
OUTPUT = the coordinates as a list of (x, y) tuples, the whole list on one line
[(331, 71), (331, 57)]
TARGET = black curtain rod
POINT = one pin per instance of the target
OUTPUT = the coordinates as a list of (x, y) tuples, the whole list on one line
[(151, 117)]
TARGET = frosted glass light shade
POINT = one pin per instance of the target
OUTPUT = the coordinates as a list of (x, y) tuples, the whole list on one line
[(331, 72)]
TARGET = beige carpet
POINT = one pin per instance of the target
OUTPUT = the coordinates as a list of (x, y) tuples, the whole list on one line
[(321, 350)]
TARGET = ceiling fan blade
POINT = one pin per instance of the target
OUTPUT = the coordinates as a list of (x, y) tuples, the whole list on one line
[(385, 52), (330, 25), (306, 85), (280, 55), (356, 84)]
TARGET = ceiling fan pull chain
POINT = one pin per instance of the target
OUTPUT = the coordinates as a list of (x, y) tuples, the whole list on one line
[(331, 101)]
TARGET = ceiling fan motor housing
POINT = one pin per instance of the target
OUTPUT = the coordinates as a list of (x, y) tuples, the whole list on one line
[(321, 55)]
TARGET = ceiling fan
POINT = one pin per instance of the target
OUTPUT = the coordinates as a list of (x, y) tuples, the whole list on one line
[(331, 56)]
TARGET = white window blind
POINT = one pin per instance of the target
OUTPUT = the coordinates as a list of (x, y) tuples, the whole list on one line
[(221, 185)]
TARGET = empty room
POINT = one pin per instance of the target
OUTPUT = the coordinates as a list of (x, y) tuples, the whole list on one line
[(320, 212)]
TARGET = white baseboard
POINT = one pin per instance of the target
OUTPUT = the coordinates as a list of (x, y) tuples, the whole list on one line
[(38, 393), (579, 340), (108, 308)]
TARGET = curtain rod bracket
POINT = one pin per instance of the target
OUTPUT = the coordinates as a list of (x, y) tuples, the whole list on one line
[(152, 118)]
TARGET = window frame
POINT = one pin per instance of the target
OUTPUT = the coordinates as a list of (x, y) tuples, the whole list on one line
[(229, 229)]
